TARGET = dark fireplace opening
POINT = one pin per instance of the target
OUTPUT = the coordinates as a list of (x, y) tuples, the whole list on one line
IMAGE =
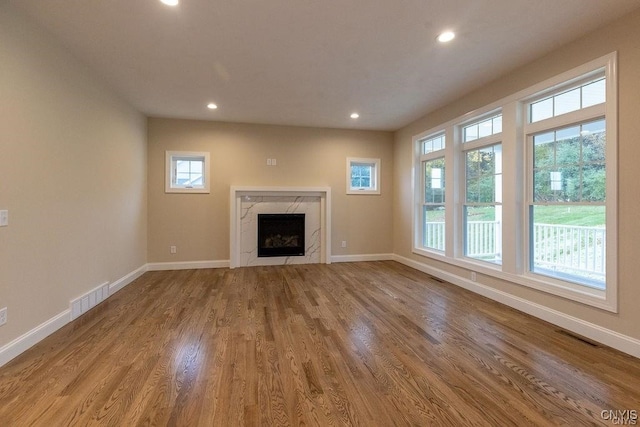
[(280, 235)]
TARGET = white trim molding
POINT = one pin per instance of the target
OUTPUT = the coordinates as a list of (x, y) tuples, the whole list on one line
[(33, 337), (125, 280), (235, 204), (605, 336), (186, 265), (362, 258), (27, 340)]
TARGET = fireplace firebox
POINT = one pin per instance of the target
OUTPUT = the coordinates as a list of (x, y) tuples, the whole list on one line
[(280, 235)]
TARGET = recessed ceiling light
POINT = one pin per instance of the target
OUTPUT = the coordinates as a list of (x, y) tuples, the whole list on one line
[(355, 115), (170, 2), (212, 106), (447, 36)]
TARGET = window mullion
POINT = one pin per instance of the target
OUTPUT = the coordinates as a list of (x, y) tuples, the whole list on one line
[(452, 193), (513, 165), (482, 142), (585, 114)]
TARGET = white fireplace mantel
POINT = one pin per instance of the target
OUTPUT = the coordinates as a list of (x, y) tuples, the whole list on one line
[(237, 193)]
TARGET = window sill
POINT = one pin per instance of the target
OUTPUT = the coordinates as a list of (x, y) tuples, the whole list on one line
[(187, 190), (582, 294), (363, 191)]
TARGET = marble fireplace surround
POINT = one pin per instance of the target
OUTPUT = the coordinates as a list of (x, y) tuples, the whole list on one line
[(241, 203)]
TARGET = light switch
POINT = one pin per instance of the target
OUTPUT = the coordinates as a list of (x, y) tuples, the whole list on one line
[(4, 218)]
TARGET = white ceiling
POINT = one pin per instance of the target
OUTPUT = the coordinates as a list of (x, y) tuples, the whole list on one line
[(310, 62)]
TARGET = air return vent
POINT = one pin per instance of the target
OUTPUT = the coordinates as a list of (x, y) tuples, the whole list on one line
[(86, 302)]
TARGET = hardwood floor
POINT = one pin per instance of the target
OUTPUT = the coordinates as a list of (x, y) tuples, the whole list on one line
[(371, 344)]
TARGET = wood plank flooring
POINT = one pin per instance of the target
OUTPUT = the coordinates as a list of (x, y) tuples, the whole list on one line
[(369, 344)]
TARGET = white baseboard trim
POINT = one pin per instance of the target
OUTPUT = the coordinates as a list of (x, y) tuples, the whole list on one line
[(124, 281), (194, 265), (33, 337), (363, 257), (24, 342), (186, 265), (589, 330)]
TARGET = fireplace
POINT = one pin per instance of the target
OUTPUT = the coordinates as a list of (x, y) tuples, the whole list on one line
[(248, 202), (280, 235)]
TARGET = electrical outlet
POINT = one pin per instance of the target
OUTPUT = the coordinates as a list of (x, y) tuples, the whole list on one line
[(473, 276), (3, 316), (173, 249), (344, 243)]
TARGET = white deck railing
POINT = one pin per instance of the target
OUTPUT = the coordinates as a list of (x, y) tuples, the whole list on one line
[(570, 247), (485, 239), (558, 247), (434, 235)]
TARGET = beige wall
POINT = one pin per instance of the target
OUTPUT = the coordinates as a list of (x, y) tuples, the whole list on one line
[(198, 224), (72, 175), (622, 36), (74, 171)]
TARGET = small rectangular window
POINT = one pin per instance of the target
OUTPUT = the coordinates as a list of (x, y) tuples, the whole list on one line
[(587, 95), (482, 128), (187, 172), (433, 143), (363, 176)]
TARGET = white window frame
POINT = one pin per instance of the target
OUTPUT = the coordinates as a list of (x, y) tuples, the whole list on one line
[(374, 188), (419, 191), (606, 298), (170, 172), (463, 148), (477, 121), (516, 188)]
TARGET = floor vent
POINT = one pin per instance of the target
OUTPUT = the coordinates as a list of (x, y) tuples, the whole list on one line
[(86, 302), (435, 279), (578, 337)]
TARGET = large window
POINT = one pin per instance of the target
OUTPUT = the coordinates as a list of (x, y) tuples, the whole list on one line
[(567, 209), (432, 214), (483, 207), (434, 207), (531, 190)]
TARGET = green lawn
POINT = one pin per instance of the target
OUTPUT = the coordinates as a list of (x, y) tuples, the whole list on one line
[(587, 216)]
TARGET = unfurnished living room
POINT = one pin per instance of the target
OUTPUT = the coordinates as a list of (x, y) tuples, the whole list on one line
[(325, 213)]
